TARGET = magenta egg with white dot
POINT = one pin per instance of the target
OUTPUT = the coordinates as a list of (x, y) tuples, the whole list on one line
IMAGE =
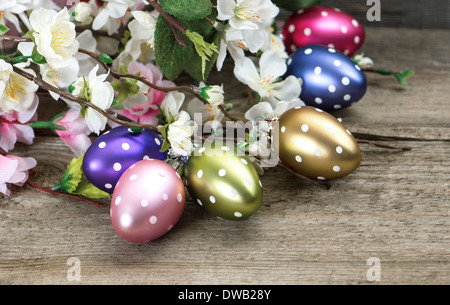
[(147, 202), (115, 151), (324, 26)]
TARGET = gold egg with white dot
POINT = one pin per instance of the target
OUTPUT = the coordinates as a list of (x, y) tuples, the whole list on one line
[(315, 144), (223, 181)]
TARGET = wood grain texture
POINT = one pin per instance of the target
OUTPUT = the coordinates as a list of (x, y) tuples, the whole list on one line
[(395, 206), (422, 14)]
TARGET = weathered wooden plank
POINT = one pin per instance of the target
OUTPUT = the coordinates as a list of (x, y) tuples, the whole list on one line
[(394, 207)]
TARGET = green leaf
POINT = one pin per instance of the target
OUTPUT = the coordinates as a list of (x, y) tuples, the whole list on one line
[(170, 56), (195, 66), (295, 5), (38, 58), (105, 58), (187, 9), (73, 176), (19, 59), (90, 191), (204, 49), (3, 29), (164, 132)]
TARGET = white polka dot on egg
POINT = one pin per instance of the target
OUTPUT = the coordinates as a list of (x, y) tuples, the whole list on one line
[(200, 173), (347, 97), (108, 186), (308, 51), (318, 152), (157, 141), (317, 70), (153, 220), (102, 145), (133, 177), (144, 203), (222, 172), (339, 150), (238, 214), (179, 197), (345, 81), (318, 100), (125, 146), (117, 167), (305, 128), (332, 89), (337, 63), (344, 29), (336, 169), (165, 196), (212, 199), (307, 32), (298, 159), (291, 28)]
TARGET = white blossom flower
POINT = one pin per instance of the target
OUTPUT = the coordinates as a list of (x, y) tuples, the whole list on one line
[(60, 78), (10, 9), (54, 35), (82, 13), (180, 137), (143, 27), (362, 61), (141, 44), (112, 9), (266, 82), (180, 127), (233, 42), (247, 16), (211, 111), (273, 42), (97, 91), (265, 111), (16, 92)]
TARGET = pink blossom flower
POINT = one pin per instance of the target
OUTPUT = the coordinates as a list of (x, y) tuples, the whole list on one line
[(11, 133), (145, 113), (14, 170), (76, 134)]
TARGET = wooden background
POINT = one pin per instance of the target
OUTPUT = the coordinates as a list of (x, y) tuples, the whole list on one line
[(395, 207)]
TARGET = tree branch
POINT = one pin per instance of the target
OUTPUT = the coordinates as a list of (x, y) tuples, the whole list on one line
[(42, 84)]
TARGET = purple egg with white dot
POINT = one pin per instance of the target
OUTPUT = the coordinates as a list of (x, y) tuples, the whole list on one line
[(330, 80), (111, 154)]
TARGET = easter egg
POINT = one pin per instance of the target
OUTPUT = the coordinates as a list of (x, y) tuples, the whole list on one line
[(315, 144), (116, 150), (323, 26), (223, 181), (147, 202), (330, 80)]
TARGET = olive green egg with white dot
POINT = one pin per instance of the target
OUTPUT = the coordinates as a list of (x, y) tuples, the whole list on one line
[(223, 181)]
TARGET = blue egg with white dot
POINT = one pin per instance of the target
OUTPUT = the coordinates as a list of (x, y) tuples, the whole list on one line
[(111, 154), (330, 80)]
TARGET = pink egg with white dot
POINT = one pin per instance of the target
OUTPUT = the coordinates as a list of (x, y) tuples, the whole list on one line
[(147, 202), (325, 26)]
